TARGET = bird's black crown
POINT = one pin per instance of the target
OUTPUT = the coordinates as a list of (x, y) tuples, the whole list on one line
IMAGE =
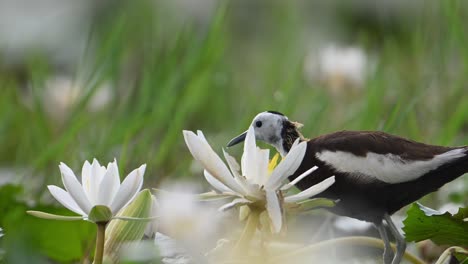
[(275, 112)]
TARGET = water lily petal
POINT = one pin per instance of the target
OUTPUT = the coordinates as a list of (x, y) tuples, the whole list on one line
[(311, 191), (250, 189), (109, 185), (86, 179), (249, 157), (287, 166), (235, 202), (299, 178), (235, 169), (232, 163), (254, 191), (203, 152), (74, 188), (217, 185), (65, 199), (263, 159), (97, 173), (213, 196), (274, 210), (128, 189)]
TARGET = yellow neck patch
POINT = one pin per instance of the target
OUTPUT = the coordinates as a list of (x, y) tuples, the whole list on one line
[(273, 163)]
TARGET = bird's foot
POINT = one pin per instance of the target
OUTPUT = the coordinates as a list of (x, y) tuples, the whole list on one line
[(401, 247), (388, 256)]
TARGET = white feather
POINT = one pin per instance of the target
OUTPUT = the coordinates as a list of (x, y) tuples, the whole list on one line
[(388, 168)]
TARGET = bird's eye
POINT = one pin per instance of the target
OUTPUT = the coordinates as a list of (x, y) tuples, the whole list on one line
[(258, 124)]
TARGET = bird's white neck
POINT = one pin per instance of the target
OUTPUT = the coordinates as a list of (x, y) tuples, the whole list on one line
[(280, 148)]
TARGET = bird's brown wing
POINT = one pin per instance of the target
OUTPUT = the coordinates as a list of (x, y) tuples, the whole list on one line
[(380, 156), (362, 142)]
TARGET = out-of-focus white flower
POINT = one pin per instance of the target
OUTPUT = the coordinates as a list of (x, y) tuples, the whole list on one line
[(101, 97), (192, 225), (1, 232), (142, 251), (61, 94), (99, 186), (182, 216), (170, 251), (254, 184), (338, 67)]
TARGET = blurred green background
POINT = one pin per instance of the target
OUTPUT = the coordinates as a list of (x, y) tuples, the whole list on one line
[(105, 79)]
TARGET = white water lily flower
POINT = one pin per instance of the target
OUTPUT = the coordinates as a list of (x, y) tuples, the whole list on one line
[(182, 216), (99, 186), (252, 184)]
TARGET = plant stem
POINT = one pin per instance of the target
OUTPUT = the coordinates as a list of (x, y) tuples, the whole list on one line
[(344, 241), (100, 238), (448, 252), (248, 232)]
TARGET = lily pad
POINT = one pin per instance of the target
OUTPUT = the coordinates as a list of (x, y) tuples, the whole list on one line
[(442, 228)]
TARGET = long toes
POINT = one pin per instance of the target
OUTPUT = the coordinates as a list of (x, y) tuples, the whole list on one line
[(388, 256)]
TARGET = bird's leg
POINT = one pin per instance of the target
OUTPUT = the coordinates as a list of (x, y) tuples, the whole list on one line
[(388, 253), (400, 240)]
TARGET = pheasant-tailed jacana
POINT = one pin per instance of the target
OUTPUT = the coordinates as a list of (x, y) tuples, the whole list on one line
[(376, 173)]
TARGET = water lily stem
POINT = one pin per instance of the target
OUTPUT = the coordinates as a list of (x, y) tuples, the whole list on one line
[(248, 232), (100, 238), (343, 241), (448, 252)]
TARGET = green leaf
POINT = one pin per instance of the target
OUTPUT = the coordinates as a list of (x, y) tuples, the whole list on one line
[(48, 216), (10, 196), (61, 241), (442, 228), (44, 241), (100, 214)]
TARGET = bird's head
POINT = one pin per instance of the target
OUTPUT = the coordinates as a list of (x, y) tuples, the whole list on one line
[(273, 128)]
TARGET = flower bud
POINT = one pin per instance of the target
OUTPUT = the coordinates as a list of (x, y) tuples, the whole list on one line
[(120, 232)]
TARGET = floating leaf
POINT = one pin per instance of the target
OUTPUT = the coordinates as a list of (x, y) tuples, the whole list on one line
[(442, 228), (60, 241)]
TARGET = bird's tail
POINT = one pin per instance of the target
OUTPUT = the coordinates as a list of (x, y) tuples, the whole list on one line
[(456, 167)]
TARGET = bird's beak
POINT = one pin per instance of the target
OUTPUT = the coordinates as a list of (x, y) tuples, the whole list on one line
[(237, 139)]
